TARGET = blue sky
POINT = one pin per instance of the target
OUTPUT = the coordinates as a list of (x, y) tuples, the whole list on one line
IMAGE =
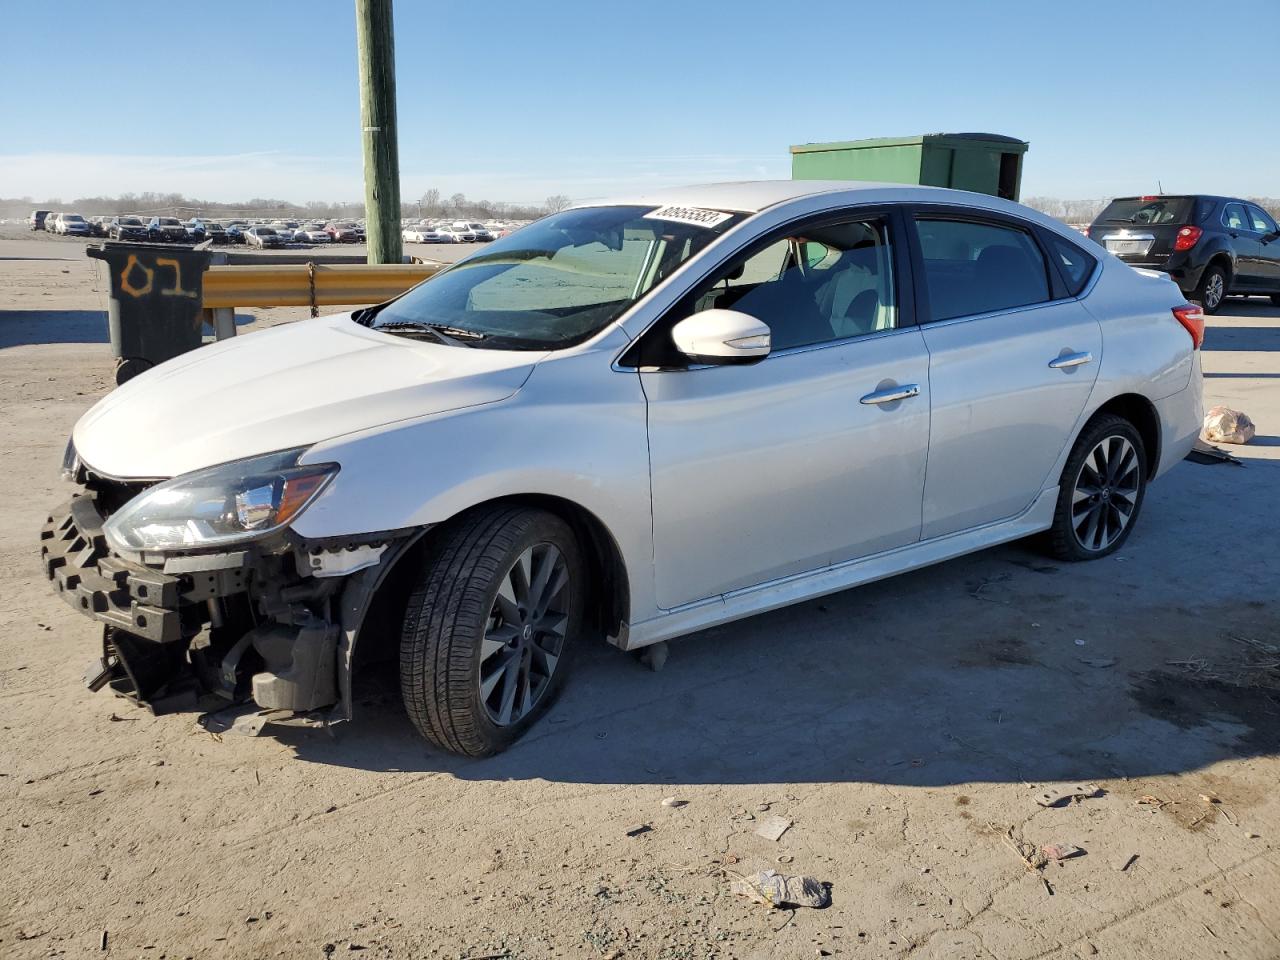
[(514, 101)]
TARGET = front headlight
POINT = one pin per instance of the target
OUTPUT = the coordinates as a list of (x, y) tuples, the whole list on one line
[(232, 503)]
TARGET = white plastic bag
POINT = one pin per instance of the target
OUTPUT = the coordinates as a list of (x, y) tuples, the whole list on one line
[(1224, 425)]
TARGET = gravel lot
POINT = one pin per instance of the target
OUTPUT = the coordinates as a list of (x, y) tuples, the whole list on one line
[(905, 728)]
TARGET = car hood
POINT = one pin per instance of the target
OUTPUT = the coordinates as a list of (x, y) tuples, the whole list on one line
[(285, 387)]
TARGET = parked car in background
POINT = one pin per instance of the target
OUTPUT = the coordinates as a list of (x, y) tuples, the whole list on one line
[(464, 231), (341, 232), (195, 230), (235, 230), (451, 234), (98, 225), (480, 232), (262, 237), (38, 219), (166, 230), (51, 223), (285, 229), (72, 224), (417, 234), (1212, 247), (126, 228), (215, 231), (312, 233), (578, 437)]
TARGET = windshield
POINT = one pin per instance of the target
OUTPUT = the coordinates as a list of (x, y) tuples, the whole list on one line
[(130, 221), (561, 279), (1147, 210), (73, 218), (169, 222)]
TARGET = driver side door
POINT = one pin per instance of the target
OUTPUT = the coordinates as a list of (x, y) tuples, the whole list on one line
[(802, 460)]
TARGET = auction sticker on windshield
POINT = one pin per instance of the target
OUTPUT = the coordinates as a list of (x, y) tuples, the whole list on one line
[(694, 216)]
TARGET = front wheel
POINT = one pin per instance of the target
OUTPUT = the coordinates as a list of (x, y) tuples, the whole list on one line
[(1101, 491), (489, 628), (1212, 289)]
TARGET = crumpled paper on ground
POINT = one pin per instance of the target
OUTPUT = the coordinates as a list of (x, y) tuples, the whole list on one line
[(775, 890), (1224, 425)]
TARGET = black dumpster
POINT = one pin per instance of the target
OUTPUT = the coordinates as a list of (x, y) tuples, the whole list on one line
[(154, 311)]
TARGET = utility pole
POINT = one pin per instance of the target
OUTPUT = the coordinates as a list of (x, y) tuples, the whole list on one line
[(377, 64)]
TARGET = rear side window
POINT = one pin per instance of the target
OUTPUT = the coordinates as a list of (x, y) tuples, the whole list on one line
[(972, 268), (1075, 265)]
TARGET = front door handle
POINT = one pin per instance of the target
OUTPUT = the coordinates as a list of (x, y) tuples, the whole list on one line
[(1070, 360), (891, 394)]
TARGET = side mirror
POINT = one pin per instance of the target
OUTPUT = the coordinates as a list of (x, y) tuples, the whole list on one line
[(721, 337)]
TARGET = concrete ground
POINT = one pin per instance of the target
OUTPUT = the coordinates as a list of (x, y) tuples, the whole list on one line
[(904, 728)]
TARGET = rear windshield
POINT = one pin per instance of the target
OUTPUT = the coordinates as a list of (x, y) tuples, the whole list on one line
[(1147, 210)]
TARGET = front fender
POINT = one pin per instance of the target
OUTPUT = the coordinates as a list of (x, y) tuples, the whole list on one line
[(576, 431)]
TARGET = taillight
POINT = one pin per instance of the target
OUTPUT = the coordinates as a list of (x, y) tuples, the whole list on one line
[(1187, 238), (1192, 319)]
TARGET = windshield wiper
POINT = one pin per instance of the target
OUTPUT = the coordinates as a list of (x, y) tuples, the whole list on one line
[(453, 336)]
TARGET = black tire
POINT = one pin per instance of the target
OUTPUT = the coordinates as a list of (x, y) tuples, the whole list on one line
[(1275, 299), (452, 607), (129, 367), (1211, 291), (1071, 537)]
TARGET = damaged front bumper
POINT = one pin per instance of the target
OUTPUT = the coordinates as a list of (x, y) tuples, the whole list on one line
[(275, 624)]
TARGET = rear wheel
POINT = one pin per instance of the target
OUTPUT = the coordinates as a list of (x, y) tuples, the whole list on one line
[(1212, 289), (489, 628), (1101, 491)]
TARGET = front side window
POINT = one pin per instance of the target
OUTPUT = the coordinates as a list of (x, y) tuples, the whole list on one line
[(1261, 220), (972, 268), (559, 280), (822, 284), (1233, 217), (829, 283)]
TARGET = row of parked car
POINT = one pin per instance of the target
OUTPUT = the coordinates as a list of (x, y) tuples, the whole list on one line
[(257, 233), (459, 231)]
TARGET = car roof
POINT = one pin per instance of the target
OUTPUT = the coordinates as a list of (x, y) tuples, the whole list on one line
[(752, 196)]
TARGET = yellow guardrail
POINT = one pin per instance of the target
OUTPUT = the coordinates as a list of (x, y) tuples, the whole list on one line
[(309, 284)]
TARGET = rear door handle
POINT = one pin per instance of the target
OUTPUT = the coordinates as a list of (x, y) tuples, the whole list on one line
[(890, 394), (1070, 360)]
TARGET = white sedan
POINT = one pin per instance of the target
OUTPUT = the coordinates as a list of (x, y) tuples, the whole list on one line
[(423, 234), (312, 233), (626, 422)]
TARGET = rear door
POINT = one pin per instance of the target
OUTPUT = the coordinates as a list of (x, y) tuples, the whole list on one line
[(1013, 355)]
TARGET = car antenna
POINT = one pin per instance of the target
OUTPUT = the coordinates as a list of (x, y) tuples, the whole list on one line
[(1159, 187)]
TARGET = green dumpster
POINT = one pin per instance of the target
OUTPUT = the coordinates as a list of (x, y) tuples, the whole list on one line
[(982, 162), (154, 310)]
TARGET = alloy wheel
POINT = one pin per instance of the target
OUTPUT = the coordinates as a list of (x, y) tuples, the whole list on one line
[(525, 634), (1214, 291), (1105, 494)]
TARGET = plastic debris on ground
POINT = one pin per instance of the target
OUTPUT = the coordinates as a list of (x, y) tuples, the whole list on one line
[(1055, 795), (772, 828), (778, 891), (1224, 425)]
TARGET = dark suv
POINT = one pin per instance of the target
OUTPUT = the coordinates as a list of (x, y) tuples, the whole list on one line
[(1212, 247)]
